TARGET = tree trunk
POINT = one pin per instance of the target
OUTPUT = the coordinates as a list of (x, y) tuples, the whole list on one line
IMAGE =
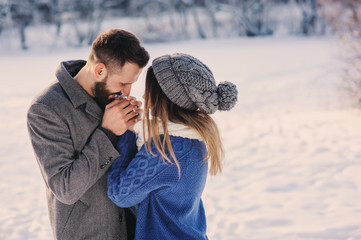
[(198, 24)]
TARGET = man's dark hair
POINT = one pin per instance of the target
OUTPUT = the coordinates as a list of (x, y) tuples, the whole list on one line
[(116, 47)]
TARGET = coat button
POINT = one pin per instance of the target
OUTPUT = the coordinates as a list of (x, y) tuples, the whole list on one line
[(108, 161), (102, 166)]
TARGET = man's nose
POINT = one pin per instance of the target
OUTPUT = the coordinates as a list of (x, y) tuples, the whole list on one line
[(126, 90)]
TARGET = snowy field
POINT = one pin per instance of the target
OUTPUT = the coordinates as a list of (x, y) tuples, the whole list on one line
[(293, 156)]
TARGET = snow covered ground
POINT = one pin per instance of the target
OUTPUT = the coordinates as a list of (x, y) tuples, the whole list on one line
[(293, 156)]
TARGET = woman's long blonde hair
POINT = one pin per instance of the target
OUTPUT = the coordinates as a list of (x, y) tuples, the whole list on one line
[(159, 109)]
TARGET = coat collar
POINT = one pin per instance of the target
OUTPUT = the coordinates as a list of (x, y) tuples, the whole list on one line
[(77, 95)]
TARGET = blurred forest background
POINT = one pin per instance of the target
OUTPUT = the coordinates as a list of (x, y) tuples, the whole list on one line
[(53, 24), (78, 22)]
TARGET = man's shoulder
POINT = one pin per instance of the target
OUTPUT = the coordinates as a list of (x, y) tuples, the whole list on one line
[(51, 96)]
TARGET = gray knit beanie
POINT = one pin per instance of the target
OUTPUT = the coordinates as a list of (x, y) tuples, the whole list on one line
[(190, 84)]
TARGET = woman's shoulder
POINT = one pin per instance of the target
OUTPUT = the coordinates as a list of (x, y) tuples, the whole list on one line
[(186, 149), (181, 146), (180, 143)]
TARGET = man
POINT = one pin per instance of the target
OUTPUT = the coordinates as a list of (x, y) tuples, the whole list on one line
[(73, 126)]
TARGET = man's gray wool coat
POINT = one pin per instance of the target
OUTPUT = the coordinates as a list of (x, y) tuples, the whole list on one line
[(74, 156)]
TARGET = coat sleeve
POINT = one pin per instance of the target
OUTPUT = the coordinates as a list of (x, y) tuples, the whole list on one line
[(67, 173), (131, 180)]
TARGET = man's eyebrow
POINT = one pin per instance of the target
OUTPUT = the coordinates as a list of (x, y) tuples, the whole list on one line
[(129, 83)]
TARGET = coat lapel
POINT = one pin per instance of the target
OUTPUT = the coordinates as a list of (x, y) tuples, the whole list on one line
[(77, 95)]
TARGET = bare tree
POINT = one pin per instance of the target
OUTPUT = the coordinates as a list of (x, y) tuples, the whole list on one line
[(309, 16), (4, 15), (351, 37), (249, 16), (21, 13), (85, 18), (190, 8), (175, 19), (254, 17), (344, 18)]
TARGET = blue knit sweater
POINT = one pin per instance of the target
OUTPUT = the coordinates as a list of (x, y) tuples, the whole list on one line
[(169, 207)]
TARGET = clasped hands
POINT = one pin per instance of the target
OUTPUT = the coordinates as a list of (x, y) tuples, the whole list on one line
[(122, 114)]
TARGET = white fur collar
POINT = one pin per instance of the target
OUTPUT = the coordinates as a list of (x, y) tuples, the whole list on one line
[(174, 129)]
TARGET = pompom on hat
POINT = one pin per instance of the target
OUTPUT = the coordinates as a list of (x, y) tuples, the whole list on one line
[(190, 84)]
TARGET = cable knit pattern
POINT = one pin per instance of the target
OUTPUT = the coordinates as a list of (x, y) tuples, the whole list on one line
[(169, 207), (190, 84)]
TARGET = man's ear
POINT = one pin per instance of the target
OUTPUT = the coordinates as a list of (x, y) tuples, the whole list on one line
[(100, 72)]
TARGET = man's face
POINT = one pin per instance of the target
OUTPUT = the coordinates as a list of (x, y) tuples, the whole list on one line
[(119, 82)]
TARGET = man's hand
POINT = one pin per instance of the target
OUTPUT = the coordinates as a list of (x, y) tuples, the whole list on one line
[(121, 115)]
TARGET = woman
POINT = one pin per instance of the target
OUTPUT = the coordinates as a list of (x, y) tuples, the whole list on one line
[(166, 177)]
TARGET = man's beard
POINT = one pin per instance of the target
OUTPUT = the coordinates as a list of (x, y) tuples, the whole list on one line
[(101, 93)]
